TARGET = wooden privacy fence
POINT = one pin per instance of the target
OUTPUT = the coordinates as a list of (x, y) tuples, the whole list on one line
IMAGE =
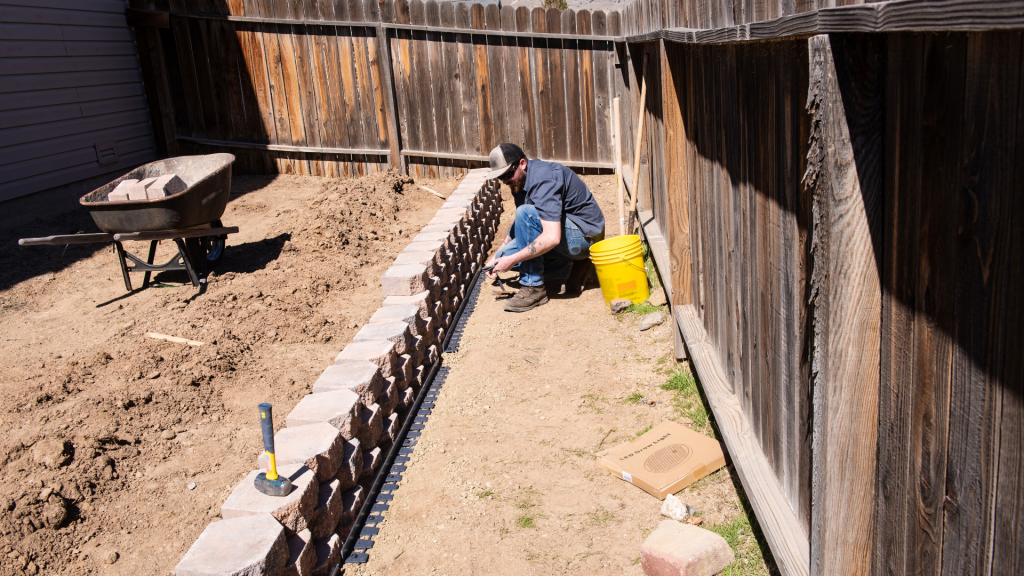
[(299, 86), (833, 195)]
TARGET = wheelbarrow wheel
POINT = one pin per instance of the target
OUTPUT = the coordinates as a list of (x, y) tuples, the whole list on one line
[(213, 246)]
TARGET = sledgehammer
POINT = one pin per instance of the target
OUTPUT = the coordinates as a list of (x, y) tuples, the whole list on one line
[(269, 482)]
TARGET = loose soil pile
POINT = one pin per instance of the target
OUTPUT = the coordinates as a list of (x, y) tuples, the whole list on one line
[(117, 449)]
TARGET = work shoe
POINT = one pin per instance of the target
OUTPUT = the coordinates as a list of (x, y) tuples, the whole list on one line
[(582, 272), (528, 298)]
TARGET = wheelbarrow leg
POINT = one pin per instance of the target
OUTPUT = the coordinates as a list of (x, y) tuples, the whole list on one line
[(187, 259), (149, 260), (124, 266)]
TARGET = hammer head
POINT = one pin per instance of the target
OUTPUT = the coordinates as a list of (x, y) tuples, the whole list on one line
[(279, 487)]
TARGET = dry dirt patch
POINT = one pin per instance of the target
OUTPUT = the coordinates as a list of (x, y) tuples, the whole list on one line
[(117, 448), (503, 480)]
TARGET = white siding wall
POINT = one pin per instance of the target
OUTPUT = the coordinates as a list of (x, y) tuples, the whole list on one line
[(69, 79)]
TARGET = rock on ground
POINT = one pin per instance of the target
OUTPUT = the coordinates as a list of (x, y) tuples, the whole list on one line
[(619, 305), (676, 549), (674, 508), (657, 297), (651, 320)]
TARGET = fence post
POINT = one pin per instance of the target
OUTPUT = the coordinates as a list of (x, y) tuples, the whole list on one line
[(387, 73)]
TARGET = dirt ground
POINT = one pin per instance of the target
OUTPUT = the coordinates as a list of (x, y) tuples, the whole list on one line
[(118, 449), (503, 480)]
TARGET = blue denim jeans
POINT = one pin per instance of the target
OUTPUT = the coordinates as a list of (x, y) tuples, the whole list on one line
[(557, 262)]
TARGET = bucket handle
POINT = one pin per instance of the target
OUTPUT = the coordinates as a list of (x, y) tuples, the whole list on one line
[(642, 269)]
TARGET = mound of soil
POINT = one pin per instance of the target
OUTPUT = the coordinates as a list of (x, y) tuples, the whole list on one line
[(118, 448)]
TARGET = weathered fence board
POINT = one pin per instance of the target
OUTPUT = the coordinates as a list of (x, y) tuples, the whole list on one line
[(296, 85)]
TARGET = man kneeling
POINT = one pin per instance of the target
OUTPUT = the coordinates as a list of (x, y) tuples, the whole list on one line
[(557, 221)]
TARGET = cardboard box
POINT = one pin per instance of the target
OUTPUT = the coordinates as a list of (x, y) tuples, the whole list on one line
[(664, 460)]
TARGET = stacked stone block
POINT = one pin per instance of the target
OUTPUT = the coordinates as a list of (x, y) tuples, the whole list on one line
[(337, 438)]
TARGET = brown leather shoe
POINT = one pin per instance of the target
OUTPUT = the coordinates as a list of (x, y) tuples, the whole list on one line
[(582, 272), (528, 298)]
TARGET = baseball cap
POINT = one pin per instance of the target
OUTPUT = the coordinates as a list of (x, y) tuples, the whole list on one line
[(503, 157)]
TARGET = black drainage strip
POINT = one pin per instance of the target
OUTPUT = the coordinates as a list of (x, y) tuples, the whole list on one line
[(360, 539)]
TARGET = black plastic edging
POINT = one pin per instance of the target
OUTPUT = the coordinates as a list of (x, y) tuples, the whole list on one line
[(384, 474), (391, 471)]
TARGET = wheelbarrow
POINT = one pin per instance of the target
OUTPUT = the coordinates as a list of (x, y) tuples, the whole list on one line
[(191, 218)]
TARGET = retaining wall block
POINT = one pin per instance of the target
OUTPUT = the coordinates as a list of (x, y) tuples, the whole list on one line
[(301, 555), (351, 501), (372, 423), (408, 313), (391, 428), (390, 400), (405, 280), (407, 364), (362, 378), (372, 459), (328, 509), (439, 266), (423, 300), (319, 446), (340, 408), (328, 555), (243, 546), (408, 397), (292, 511), (378, 352), (351, 465), (395, 331)]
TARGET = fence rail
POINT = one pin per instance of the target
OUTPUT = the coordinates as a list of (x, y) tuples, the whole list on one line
[(305, 83)]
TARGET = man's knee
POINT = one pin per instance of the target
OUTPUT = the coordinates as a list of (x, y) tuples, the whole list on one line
[(527, 212)]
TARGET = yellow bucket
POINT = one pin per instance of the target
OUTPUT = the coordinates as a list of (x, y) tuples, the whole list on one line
[(620, 269)]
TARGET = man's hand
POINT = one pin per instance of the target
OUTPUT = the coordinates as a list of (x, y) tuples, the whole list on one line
[(503, 264)]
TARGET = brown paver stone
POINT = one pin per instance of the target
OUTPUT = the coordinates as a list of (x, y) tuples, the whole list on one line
[(318, 446), (291, 511), (237, 547)]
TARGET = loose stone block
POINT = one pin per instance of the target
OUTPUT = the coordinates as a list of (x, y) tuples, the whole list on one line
[(378, 352), (677, 549), (351, 465), (362, 378), (301, 555), (136, 191), (372, 459), (405, 280), (292, 511), (237, 547), (372, 423), (351, 501), (395, 331), (165, 185), (318, 446), (340, 408), (328, 509), (390, 430), (328, 554), (120, 192)]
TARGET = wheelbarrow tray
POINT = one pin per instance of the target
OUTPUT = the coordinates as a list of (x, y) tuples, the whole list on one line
[(209, 185)]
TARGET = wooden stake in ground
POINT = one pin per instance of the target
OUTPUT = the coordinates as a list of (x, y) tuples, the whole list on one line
[(617, 143), (176, 339), (639, 142), (435, 193)]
